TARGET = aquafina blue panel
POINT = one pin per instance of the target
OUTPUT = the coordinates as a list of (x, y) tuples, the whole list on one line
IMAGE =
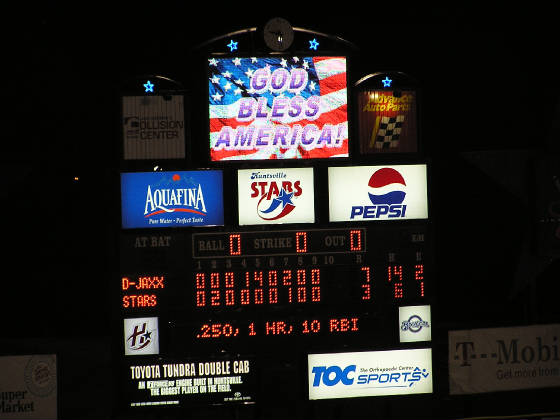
[(172, 199)]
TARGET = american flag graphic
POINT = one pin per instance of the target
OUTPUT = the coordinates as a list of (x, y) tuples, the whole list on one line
[(320, 131)]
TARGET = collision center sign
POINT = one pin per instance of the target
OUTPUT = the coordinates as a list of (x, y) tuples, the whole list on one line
[(153, 127)]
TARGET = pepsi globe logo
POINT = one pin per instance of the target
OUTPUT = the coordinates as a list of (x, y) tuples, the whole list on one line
[(381, 179), (386, 193)]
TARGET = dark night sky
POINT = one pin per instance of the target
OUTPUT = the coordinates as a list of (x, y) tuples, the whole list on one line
[(489, 78), (493, 64), (490, 85)]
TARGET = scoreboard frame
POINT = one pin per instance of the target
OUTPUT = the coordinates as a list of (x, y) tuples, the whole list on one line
[(153, 261)]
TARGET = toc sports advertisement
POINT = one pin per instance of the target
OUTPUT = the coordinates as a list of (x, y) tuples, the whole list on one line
[(374, 193), (172, 199), (370, 373)]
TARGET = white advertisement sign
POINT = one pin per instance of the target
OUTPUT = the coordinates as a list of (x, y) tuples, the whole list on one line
[(415, 323), (273, 196), (28, 387), (503, 359), (374, 193), (153, 127), (141, 336), (374, 373)]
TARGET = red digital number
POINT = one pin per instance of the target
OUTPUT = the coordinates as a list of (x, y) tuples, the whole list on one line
[(419, 276), (356, 240), (315, 281), (252, 329), (366, 285), (287, 281), (215, 286), (301, 242), (313, 326), (200, 286), (257, 287), (217, 331), (259, 294), (301, 292), (246, 293), (273, 286), (395, 276), (230, 291), (235, 244)]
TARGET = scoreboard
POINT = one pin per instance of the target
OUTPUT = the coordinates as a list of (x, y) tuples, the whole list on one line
[(274, 283), (280, 258), (251, 293)]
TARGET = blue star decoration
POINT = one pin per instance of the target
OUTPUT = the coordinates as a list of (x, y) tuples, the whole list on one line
[(313, 44), (285, 198), (149, 86), (387, 82), (232, 45)]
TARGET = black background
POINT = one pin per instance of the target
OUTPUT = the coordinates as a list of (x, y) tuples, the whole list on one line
[(489, 115)]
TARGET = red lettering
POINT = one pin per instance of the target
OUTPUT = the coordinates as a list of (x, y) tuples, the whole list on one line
[(255, 190), (298, 191), (263, 186), (287, 186), (273, 190)]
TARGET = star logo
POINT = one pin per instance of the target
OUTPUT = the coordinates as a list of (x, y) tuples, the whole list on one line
[(149, 87), (279, 206), (285, 198), (232, 45), (313, 44), (387, 82)]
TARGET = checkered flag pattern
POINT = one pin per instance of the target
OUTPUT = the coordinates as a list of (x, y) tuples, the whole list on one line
[(389, 132)]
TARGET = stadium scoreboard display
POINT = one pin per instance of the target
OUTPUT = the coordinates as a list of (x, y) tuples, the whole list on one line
[(282, 241)]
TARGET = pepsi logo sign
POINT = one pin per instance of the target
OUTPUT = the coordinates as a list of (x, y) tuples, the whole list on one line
[(377, 193)]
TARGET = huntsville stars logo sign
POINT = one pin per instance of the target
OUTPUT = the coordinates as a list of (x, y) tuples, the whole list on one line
[(268, 196)]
